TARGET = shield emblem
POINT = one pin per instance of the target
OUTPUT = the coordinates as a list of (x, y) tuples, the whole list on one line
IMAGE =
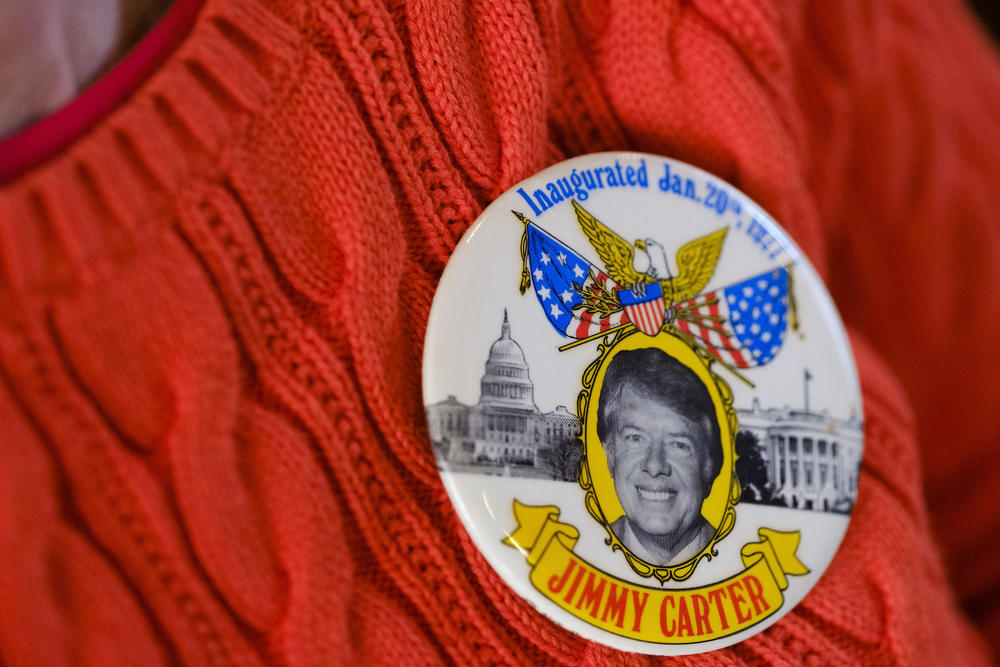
[(647, 311)]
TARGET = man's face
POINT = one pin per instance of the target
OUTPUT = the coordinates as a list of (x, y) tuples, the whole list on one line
[(660, 464)]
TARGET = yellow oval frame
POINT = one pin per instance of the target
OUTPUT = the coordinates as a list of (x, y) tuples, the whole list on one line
[(601, 500)]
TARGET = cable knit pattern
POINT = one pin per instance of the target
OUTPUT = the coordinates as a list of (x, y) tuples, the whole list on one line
[(212, 310)]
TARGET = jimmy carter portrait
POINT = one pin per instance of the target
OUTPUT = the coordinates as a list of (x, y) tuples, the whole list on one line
[(657, 424)]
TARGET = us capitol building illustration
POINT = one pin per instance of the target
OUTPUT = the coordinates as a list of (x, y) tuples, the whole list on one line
[(505, 433), (810, 459)]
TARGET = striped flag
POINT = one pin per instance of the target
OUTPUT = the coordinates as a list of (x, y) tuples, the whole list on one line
[(559, 276), (743, 324)]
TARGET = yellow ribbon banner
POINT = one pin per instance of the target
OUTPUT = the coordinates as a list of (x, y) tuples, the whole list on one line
[(671, 616)]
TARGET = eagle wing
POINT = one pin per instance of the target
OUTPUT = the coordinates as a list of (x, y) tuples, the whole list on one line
[(696, 262), (616, 253)]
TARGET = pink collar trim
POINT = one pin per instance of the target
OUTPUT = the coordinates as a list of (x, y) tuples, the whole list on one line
[(46, 137)]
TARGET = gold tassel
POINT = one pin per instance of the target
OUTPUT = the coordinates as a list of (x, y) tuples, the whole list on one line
[(792, 308), (525, 275)]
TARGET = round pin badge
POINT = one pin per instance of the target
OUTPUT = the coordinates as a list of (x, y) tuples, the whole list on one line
[(643, 404)]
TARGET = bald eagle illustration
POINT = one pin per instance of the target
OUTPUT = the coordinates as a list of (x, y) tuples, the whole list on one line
[(741, 325), (696, 260)]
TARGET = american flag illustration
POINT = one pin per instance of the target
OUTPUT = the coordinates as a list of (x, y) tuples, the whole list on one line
[(743, 324), (555, 268)]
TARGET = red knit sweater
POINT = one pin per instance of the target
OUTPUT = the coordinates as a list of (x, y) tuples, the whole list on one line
[(212, 309)]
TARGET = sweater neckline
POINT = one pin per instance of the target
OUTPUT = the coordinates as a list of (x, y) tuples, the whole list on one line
[(44, 138)]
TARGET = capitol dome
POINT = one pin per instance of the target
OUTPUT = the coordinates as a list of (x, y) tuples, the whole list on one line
[(505, 349), (506, 381)]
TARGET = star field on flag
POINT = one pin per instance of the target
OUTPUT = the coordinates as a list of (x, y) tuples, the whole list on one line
[(554, 269)]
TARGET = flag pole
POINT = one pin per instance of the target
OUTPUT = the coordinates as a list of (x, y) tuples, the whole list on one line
[(806, 376), (732, 369), (595, 336)]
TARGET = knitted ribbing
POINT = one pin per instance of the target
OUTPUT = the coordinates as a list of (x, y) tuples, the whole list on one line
[(212, 310)]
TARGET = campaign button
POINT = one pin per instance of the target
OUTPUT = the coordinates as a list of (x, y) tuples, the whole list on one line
[(643, 404)]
